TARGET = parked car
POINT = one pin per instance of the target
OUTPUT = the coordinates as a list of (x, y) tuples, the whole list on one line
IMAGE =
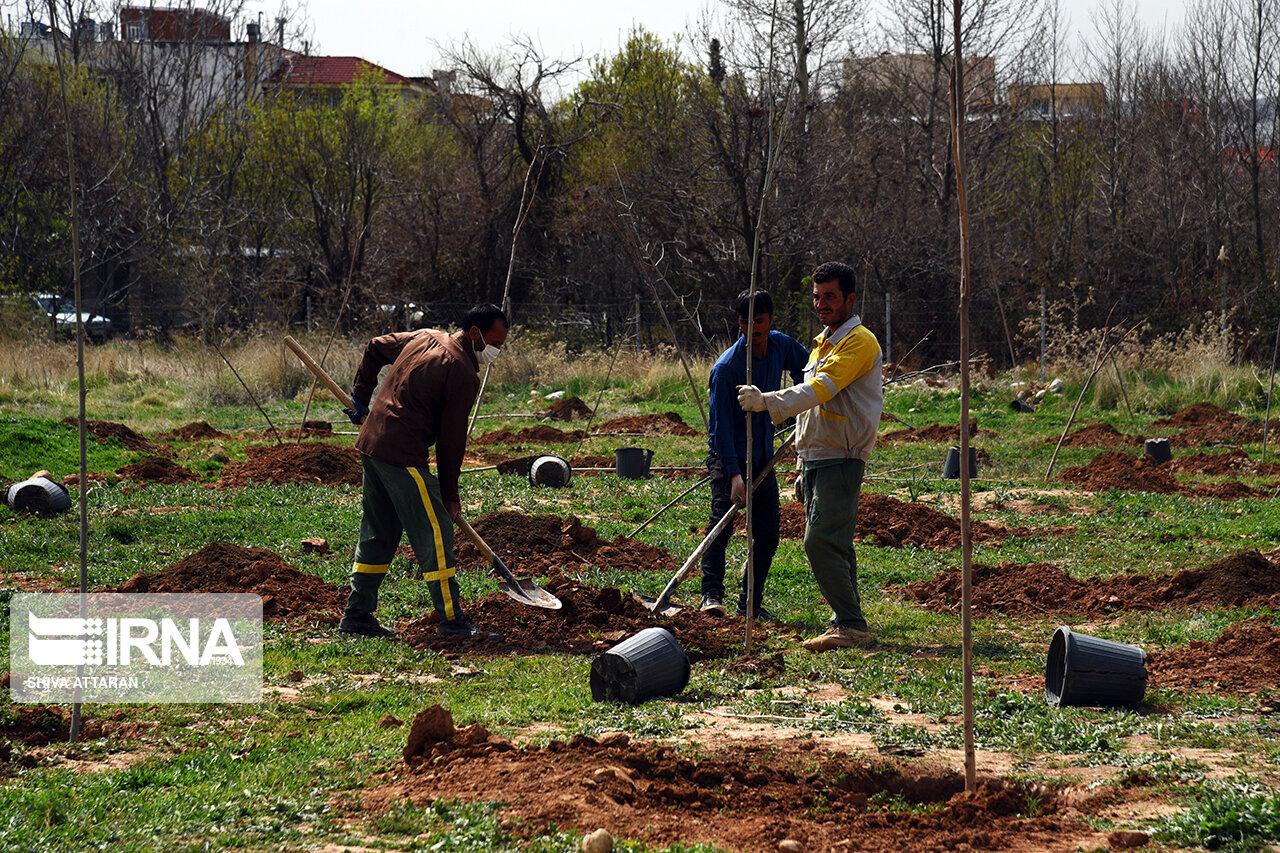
[(63, 315)]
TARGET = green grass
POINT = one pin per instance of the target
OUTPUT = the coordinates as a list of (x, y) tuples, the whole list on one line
[(1231, 816), (284, 774)]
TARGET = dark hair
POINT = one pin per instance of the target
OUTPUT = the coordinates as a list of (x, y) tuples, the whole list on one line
[(842, 273), (484, 316), (764, 303)]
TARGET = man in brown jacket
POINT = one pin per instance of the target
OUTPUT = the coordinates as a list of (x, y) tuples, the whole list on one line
[(425, 400)]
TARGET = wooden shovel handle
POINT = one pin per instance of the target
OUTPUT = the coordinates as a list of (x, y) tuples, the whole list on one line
[(344, 397)]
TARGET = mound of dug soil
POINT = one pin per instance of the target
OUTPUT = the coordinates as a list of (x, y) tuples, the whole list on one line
[(892, 523), (548, 544), (1213, 434), (1246, 656), (591, 619), (326, 464), (223, 567), (1234, 461), (669, 423), (157, 469), (194, 431), (1246, 579), (1200, 414), (1233, 490), (1118, 470), (747, 798), (1205, 424), (1100, 435), (309, 429), (933, 432), (538, 434), (567, 409), (104, 431)]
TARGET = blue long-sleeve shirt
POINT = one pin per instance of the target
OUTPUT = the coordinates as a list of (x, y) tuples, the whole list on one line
[(727, 437)]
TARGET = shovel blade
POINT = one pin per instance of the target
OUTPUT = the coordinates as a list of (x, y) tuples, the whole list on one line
[(528, 592), (652, 605)]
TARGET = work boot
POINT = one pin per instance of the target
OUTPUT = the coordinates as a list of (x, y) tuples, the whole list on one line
[(463, 629), (363, 625), (838, 637), (712, 604)]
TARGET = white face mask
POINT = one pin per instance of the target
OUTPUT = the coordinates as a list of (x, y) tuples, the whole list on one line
[(488, 355)]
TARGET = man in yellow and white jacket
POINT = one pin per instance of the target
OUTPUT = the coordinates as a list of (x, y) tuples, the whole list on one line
[(837, 411)]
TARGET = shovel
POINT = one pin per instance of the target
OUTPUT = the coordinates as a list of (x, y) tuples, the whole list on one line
[(526, 591), (660, 604)]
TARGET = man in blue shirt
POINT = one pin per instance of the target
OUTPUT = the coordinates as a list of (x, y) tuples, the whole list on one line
[(773, 353)]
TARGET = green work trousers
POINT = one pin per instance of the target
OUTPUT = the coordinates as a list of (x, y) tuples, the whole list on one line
[(403, 500), (831, 490)]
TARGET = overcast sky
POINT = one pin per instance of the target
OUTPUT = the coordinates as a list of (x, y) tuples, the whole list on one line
[(402, 35)]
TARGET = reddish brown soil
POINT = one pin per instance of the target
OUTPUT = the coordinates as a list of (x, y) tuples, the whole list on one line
[(310, 429), (157, 469), (103, 431), (746, 798), (933, 432), (1232, 490), (567, 409), (1100, 435), (1200, 414), (327, 464), (892, 523), (74, 479), (591, 619), (669, 423), (548, 544), (1234, 461), (1246, 579), (41, 725), (1246, 656), (222, 567), (194, 431), (517, 465), (1212, 434), (1118, 470), (537, 434), (593, 462)]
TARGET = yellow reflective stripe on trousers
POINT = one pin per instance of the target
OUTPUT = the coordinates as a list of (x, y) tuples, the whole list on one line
[(370, 568), (435, 529), (441, 574)]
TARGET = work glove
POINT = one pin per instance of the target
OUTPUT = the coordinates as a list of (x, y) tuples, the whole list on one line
[(799, 488), (357, 411), (750, 398), (738, 490)]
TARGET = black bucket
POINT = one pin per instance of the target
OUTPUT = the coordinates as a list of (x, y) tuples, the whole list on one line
[(951, 466), (632, 463), (39, 494), (1086, 671), (1158, 449), (550, 471), (650, 663)]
